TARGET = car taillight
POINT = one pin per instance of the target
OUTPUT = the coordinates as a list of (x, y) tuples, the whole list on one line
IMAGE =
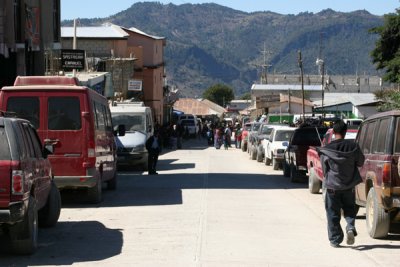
[(386, 172), (17, 182)]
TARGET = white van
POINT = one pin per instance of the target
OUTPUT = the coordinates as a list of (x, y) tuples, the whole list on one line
[(190, 122), (138, 122)]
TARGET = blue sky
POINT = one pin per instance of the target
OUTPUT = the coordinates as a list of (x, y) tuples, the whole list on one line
[(71, 9)]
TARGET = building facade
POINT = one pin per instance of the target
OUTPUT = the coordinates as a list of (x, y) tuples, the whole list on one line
[(29, 37)]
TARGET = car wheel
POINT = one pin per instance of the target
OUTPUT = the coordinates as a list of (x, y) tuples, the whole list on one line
[(259, 155), (95, 193), (294, 176), (378, 220), (275, 163), (253, 153), (49, 214), (112, 184), (314, 184), (267, 160), (24, 234), (286, 169)]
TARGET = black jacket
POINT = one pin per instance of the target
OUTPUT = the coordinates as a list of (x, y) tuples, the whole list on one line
[(149, 144), (339, 161)]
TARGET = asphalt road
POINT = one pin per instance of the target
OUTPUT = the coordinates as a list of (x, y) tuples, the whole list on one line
[(206, 207)]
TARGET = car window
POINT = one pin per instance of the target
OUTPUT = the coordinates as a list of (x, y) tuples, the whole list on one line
[(132, 122), (397, 137), (266, 130), (379, 143), (35, 142), (26, 107), (366, 136), (283, 135), (4, 146), (28, 143), (256, 126), (64, 113)]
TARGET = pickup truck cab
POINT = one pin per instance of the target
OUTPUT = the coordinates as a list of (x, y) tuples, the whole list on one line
[(315, 173), (295, 158)]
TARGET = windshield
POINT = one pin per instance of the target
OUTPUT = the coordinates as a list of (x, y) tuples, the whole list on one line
[(283, 135), (266, 130), (187, 123), (132, 122)]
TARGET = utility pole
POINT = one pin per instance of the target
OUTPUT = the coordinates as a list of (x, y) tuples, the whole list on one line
[(320, 62), (302, 82), (265, 65)]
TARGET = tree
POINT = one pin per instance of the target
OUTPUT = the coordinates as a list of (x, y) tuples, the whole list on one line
[(220, 94), (390, 99), (386, 54), (246, 96)]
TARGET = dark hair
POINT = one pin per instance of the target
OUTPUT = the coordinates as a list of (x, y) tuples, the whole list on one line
[(340, 127)]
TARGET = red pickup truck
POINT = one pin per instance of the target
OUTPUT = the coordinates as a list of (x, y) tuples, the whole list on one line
[(315, 173)]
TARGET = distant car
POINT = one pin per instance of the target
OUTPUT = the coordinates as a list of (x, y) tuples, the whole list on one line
[(245, 132), (28, 195), (276, 145), (252, 139)]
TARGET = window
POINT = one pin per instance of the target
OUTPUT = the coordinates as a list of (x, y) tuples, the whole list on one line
[(366, 137), (25, 107), (379, 143), (4, 146), (397, 137), (28, 142), (35, 142), (64, 113), (100, 116), (283, 135)]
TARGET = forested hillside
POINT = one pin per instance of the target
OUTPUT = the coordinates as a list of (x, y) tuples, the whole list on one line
[(209, 43)]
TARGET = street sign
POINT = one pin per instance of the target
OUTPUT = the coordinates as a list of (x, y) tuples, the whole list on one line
[(135, 85), (73, 59)]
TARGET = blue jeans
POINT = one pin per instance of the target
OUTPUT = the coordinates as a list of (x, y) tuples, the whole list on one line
[(335, 201)]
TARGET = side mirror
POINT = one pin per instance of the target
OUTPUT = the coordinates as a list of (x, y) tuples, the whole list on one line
[(119, 130), (48, 150)]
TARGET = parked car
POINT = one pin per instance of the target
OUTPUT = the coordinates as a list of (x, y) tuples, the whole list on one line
[(252, 139), (295, 157), (189, 122), (77, 120), (379, 140), (245, 133), (137, 120), (276, 145), (315, 173), (28, 195), (262, 134)]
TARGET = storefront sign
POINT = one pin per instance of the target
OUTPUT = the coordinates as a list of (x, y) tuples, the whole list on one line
[(73, 59), (135, 85)]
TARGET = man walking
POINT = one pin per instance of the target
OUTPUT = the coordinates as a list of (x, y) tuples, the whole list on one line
[(339, 161), (153, 149)]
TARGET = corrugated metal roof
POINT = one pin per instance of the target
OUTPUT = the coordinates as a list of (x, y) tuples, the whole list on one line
[(285, 87), (105, 31), (357, 99), (145, 34), (195, 107)]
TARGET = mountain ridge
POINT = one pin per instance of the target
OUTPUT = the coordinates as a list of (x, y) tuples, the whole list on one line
[(210, 43)]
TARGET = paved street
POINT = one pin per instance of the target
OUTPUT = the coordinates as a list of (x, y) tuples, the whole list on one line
[(206, 207)]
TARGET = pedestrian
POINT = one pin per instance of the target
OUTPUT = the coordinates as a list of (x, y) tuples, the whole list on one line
[(340, 160), (153, 148)]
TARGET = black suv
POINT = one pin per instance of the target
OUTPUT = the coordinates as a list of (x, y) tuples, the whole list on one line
[(28, 194)]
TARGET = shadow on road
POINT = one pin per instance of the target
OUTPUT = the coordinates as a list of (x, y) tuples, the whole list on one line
[(68, 243)]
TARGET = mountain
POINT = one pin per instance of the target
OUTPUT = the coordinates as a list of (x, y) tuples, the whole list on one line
[(210, 43)]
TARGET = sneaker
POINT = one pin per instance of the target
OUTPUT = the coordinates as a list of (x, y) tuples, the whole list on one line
[(335, 245), (350, 237)]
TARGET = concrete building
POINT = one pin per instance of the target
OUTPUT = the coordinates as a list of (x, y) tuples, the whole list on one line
[(134, 58), (29, 37)]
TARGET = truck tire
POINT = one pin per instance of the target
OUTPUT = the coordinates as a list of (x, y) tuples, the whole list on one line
[(275, 163), (243, 146), (286, 169), (49, 214), (94, 194), (24, 234), (314, 184), (294, 176), (378, 220), (112, 184)]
